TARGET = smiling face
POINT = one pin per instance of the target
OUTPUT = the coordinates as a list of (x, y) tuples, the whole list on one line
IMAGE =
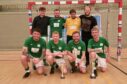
[(42, 13), (76, 37), (95, 34), (56, 13), (73, 15), (36, 35), (87, 10), (55, 37)]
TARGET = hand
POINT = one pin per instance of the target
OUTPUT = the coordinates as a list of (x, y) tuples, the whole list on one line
[(56, 53), (73, 57), (80, 62), (60, 54), (36, 60), (64, 53)]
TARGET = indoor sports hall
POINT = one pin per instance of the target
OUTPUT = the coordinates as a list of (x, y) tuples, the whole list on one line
[(16, 17)]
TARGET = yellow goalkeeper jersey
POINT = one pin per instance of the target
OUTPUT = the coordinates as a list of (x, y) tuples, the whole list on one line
[(72, 25)]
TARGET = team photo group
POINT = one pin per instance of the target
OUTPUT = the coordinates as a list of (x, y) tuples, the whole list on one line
[(84, 47)]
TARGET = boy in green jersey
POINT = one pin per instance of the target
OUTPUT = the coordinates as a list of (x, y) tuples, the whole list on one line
[(55, 53), (57, 23), (76, 53), (34, 48), (97, 50)]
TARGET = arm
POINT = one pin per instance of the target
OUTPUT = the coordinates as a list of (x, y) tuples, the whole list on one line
[(70, 54), (108, 51), (97, 50), (25, 51), (65, 24), (43, 48), (83, 56), (91, 50), (59, 54), (48, 53), (108, 54), (43, 54), (34, 23)]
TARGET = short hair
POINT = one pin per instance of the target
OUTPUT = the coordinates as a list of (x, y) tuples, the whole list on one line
[(56, 10), (42, 9), (75, 32), (87, 5), (95, 28), (37, 29), (72, 11), (55, 32)]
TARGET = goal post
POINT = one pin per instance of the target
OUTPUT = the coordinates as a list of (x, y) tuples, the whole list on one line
[(68, 2)]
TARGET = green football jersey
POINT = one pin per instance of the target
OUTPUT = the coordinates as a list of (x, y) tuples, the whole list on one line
[(35, 47), (100, 44), (57, 24), (60, 47), (76, 49)]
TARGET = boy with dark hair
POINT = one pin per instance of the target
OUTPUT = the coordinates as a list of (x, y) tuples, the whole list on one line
[(72, 24), (34, 48), (42, 22)]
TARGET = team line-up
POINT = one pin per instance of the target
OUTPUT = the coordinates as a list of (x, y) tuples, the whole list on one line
[(89, 50)]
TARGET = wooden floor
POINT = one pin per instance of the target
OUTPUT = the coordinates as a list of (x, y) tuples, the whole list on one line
[(11, 72)]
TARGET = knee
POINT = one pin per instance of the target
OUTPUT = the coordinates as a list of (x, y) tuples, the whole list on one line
[(70, 59), (49, 58), (23, 58), (92, 55), (65, 71), (103, 69), (40, 70), (83, 70), (64, 68)]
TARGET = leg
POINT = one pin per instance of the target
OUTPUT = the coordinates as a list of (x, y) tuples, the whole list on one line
[(50, 61), (72, 63), (40, 70), (85, 40), (39, 66), (82, 67), (24, 61), (103, 69), (102, 64)]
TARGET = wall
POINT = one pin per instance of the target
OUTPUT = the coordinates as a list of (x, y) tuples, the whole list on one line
[(13, 30)]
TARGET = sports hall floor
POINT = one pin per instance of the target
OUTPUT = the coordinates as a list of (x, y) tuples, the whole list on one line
[(11, 72)]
